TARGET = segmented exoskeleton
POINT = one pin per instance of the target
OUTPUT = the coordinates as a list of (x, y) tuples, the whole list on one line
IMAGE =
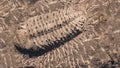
[(49, 30)]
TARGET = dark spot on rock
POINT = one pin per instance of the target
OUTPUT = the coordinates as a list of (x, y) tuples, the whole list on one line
[(32, 1), (29, 67), (2, 45)]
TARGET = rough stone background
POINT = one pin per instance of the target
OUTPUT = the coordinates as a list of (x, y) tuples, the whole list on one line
[(99, 52)]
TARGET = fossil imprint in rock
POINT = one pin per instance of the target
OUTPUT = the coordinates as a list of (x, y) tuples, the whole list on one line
[(45, 32)]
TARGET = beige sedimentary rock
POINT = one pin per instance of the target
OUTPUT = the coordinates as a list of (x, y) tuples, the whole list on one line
[(59, 33)]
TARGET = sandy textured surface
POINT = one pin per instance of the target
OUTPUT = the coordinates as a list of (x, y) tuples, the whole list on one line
[(59, 33)]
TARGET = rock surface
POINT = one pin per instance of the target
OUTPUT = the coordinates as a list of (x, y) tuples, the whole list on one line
[(59, 34)]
